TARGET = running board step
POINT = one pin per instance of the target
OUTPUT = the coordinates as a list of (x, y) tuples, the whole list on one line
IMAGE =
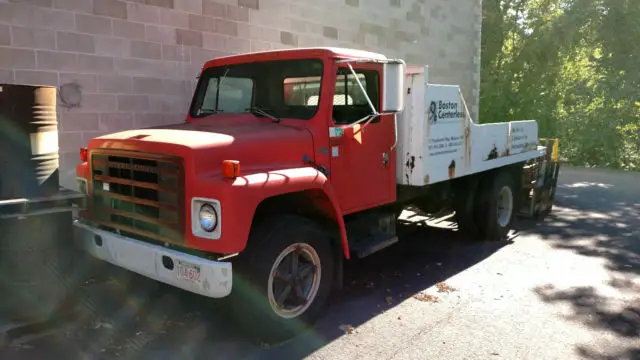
[(372, 245)]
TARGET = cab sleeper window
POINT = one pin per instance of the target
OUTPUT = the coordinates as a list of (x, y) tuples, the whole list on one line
[(349, 103)]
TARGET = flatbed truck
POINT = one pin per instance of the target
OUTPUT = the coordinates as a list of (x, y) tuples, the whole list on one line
[(291, 162)]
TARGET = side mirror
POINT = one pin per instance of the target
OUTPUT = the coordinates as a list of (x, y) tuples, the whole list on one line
[(393, 76)]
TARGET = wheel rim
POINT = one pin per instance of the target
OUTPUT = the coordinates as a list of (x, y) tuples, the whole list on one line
[(294, 280), (505, 206)]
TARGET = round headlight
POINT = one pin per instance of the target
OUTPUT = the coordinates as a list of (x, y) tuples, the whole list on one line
[(208, 218)]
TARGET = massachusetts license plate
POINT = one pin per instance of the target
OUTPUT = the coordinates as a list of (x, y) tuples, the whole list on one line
[(188, 271)]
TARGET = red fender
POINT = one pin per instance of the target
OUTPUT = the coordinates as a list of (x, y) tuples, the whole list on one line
[(281, 182)]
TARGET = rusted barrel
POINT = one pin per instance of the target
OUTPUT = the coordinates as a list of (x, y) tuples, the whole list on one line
[(29, 153), (36, 246)]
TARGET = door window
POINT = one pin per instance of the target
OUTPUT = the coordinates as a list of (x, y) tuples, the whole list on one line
[(349, 102)]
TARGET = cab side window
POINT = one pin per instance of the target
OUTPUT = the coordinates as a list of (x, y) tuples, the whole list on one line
[(349, 103)]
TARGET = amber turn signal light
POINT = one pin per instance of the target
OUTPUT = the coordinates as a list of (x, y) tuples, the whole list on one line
[(230, 169), (84, 154)]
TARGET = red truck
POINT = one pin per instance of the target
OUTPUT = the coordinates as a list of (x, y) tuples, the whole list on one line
[(291, 162)]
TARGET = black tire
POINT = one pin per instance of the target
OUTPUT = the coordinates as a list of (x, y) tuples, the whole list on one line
[(466, 224), (249, 297), (490, 229), (465, 207)]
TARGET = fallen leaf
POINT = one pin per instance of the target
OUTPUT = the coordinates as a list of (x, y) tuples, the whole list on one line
[(444, 288), (426, 297), (389, 299), (347, 329)]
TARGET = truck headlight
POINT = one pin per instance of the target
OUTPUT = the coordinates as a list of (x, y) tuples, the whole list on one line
[(208, 217)]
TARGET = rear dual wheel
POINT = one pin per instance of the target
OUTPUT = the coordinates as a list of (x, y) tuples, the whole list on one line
[(487, 212), (497, 207), (284, 279)]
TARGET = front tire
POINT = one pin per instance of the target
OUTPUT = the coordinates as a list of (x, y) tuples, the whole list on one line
[(284, 278)]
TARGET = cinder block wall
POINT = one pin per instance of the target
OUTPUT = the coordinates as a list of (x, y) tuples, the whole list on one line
[(134, 62)]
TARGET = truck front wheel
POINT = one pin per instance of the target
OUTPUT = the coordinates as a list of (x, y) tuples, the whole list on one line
[(284, 278), (497, 207)]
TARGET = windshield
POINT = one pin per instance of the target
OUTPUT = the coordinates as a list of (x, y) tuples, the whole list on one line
[(282, 89)]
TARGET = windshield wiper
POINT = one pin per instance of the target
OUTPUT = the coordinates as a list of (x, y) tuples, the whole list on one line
[(259, 111), (207, 112)]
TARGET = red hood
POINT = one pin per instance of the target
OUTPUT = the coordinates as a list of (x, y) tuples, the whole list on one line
[(256, 142)]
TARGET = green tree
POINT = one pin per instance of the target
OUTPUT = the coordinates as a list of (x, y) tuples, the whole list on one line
[(573, 65)]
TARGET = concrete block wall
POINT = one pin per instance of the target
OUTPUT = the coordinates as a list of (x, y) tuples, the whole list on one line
[(132, 63)]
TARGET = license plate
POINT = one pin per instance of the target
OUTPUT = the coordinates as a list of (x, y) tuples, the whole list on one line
[(189, 272)]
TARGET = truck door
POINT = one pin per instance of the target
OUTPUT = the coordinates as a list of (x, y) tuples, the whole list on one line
[(362, 163)]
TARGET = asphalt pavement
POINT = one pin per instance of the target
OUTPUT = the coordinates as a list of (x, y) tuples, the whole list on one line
[(564, 288)]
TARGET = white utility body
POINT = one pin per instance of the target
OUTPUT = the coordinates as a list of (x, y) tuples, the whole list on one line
[(438, 140)]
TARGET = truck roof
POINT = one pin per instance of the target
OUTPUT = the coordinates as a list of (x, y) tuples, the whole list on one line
[(297, 53)]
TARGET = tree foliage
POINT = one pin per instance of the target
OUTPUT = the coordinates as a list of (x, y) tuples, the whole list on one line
[(572, 65)]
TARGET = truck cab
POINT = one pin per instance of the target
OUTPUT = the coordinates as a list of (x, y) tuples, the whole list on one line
[(285, 166)]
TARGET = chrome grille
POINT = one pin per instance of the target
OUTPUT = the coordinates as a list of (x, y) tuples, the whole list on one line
[(138, 194)]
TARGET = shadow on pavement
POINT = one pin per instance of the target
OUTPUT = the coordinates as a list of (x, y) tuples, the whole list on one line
[(588, 307), (628, 354), (131, 317), (597, 311), (599, 216), (605, 208)]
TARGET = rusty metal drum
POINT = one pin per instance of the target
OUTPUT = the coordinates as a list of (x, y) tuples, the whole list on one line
[(29, 152), (36, 245)]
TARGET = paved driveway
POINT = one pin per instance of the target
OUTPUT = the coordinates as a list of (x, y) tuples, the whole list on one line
[(562, 289)]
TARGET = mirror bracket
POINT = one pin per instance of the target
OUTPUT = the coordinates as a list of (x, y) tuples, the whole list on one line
[(374, 113)]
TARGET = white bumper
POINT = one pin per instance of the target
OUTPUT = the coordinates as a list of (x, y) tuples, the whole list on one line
[(201, 276)]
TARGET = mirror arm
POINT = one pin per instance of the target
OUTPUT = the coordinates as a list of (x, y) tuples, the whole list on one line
[(367, 119), (374, 112), (373, 109), (395, 130)]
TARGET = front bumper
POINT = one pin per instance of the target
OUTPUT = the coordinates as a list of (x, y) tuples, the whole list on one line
[(201, 276)]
